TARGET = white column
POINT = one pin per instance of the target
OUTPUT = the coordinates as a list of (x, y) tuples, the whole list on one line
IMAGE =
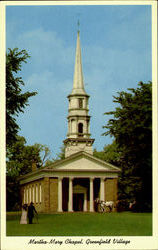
[(85, 203), (33, 193), (76, 126), (69, 127), (70, 195), (87, 126), (30, 194), (60, 194), (36, 193), (27, 195), (102, 193), (91, 195)]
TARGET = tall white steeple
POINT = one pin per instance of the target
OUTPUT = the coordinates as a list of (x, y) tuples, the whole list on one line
[(78, 85), (78, 137)]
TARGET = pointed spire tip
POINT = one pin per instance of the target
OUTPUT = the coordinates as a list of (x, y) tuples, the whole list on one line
[(78, 24)]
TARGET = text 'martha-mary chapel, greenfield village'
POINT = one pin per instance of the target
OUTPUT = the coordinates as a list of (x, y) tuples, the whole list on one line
[(74, 183)]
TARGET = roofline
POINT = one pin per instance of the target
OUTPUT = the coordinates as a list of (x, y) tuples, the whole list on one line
[(56, 163), (30, 174), (88, 155), (83, 170)]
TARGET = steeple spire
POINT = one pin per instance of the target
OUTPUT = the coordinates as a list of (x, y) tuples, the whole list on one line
[(78, 84), (78, 136), (78, 24)]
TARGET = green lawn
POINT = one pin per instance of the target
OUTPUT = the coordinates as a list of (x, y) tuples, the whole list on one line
[(83, 224)]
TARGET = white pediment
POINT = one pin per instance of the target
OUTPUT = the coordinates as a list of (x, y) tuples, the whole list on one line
[(83, 162)]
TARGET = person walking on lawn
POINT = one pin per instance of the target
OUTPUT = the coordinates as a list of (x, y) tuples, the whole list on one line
[(31, 210), (23, 219)]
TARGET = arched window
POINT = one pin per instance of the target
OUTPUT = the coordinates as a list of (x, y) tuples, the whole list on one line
[(80, 128)]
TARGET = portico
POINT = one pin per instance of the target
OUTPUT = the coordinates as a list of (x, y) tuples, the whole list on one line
[(78, 189), (82, 186)]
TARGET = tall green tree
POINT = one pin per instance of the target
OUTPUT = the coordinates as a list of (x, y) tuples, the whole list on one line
[(19, 162), (18, 155), (16, 100), (131, 126), (109, 154)]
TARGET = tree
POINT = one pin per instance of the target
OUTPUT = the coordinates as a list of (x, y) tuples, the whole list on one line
[(109, 154), (131, 127), (18, 155), (44, 152), (16, 101), (21, 156), (59, 156), (19, 162)]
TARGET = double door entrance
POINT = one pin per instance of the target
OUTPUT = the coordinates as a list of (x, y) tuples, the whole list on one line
[(78, 201), (82, 192)]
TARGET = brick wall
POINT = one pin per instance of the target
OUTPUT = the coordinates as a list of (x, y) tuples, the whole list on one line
[(53, 194), (46, 196), (49, 193), (111, 190)]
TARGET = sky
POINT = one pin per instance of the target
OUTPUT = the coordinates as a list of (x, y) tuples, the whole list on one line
[(116, 55)]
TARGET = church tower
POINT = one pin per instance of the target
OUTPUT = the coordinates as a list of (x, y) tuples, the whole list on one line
[(78, 137), (74, 183)]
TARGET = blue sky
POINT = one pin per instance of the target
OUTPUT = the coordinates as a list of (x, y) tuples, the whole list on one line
[(116, 55)]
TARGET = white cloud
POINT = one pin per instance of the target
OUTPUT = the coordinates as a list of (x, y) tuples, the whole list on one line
[(45, 47), (107, 69)]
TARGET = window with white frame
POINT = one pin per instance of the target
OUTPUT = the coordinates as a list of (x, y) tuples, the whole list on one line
[(40, 192), (33, 194), (30, 194)]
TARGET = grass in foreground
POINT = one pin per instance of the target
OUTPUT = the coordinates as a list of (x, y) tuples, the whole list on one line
[(83, 224)]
